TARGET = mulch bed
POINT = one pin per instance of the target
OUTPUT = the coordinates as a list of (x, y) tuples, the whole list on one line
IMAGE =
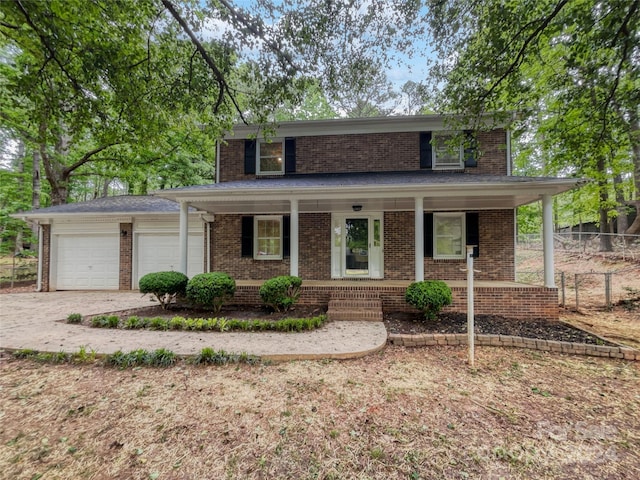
[(413, 323), (397, 322)]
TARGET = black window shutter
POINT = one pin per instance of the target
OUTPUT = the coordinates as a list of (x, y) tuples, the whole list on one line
[(247, 237), (249, 156), (428, 234), (290, 155), (426, 154), (470, 147), (286, 236), (473, 232)]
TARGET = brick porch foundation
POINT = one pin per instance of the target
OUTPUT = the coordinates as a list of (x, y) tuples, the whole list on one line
[(511, 300)]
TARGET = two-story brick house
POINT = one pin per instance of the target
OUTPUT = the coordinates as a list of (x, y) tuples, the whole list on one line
[(369, 205)]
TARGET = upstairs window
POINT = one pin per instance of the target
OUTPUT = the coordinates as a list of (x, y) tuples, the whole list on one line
[(448, 152), (270, 157)]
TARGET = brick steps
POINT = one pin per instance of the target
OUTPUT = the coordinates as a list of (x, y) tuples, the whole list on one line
[(355, 305)]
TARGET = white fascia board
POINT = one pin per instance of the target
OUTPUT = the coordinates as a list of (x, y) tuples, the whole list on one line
[(342, 126)]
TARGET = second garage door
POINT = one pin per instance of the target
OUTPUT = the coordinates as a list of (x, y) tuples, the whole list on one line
[(160, 252)]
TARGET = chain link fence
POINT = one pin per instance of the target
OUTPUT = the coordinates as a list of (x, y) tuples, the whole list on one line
[(18, 271), (585, 276)]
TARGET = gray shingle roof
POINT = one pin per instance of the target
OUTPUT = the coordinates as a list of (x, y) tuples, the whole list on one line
[(329, 180), (119, 204)]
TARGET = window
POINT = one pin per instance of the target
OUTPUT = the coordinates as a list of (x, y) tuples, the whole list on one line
[(448, 152), (268, 237), (270, 157), (449, 235)]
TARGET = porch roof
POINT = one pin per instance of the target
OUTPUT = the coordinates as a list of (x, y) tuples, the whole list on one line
[(375, 191)]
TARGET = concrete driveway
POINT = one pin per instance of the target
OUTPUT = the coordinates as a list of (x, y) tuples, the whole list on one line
[(32, 320)]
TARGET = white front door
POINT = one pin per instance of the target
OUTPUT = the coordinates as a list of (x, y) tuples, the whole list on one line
[(357, 250)]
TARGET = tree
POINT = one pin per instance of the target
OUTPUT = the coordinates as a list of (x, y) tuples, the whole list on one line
[(570, 68)]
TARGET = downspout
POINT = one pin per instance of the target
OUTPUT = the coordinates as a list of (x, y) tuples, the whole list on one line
[(509, 152), (40, 250), (217, 161)]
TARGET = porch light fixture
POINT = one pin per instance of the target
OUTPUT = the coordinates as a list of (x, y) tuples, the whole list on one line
[(123, 233), (356, 208)]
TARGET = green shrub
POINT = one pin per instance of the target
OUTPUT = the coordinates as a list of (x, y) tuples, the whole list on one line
[(74, 318), (105, 321), (211, 289), (165, 286), (429, 296), (281, 293)]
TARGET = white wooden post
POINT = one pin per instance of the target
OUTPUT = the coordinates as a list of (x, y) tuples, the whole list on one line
[(184, 236), (470, 309), (547, 241), (293, 236), (419, 238)]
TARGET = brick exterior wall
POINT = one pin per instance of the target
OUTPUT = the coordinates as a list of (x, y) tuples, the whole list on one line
[(314, 246), (399, 249), (126, 256), (380, 152), (46, 258), (496, 261), (314, 250)]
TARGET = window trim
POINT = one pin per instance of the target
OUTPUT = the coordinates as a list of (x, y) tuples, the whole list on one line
[(258, 157), (256, 237), (461, 155), (463, 235)]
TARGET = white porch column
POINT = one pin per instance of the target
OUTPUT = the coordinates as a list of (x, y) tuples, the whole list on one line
[(419, 238), (184, 236), (547, 241), (293, 236)]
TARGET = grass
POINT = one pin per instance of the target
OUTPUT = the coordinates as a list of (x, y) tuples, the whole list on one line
[(400, 414)]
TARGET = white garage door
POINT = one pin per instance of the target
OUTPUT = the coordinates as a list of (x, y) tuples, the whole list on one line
[(160, 252), (88, 262)]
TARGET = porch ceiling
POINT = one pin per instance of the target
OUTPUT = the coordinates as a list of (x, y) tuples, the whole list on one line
[(379, 191)]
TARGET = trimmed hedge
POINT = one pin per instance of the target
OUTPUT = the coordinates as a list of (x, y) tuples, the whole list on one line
[(429, 296), (211, 289), (165, 286)]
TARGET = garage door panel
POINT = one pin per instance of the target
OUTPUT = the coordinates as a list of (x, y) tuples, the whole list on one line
[(158, 253), (87, 262)]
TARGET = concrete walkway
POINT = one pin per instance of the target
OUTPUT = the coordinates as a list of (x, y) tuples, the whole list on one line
[(31, 320)]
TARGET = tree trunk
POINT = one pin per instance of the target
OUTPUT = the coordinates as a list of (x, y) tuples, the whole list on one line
[(605, 239), (622, 219), (36, 188), (18, 242), (634, 136)]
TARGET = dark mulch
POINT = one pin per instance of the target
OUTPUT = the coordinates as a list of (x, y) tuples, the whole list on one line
[(412, 323)]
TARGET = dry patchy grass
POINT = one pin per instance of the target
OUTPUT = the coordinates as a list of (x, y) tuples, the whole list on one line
[(404, 413)]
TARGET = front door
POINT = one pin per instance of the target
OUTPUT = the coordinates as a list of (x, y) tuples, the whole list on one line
[(356, 246)]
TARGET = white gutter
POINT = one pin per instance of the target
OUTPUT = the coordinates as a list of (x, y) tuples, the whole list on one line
[(217, 161), (40, 251), (509, 162)]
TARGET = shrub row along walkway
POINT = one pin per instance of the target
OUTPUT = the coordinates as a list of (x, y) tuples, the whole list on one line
[(32, 320)]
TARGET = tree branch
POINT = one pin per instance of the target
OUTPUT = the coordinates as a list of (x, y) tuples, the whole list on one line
[(240, 18), (50, 49), (520, 56), (221, 80), (87, 157)]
